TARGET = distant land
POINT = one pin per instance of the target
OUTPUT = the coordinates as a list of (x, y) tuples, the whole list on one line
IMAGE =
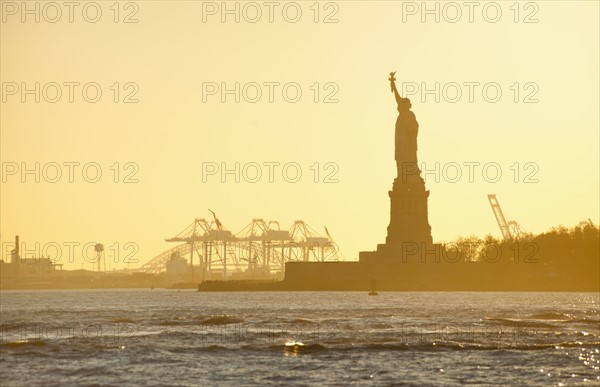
[(561, 259)]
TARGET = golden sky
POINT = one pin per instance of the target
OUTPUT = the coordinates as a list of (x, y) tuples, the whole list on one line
[(542, 56)]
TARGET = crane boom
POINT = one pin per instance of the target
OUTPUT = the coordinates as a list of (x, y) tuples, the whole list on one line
[(500, 217), (217, 222)]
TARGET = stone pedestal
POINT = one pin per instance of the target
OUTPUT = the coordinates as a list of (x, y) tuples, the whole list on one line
[(408, 213), (409, 225)]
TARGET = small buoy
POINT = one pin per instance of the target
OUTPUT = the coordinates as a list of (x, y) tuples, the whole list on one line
[(373, 286)]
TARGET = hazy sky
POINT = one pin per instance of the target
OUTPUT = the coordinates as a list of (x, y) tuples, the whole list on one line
[(541, 133)]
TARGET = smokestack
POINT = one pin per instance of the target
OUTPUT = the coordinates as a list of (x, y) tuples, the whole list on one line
[(16, 256)]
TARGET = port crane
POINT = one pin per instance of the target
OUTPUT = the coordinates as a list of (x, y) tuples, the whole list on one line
[(510, 229), (262, 248), (205, 233), (217, 221)]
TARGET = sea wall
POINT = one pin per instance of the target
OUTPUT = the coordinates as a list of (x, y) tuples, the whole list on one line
[(417, 276)]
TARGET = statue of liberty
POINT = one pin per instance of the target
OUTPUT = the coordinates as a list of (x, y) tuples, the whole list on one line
[(407, 129)]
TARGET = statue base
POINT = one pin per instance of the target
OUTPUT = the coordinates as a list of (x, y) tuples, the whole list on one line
[(409, 232), (409, 213)]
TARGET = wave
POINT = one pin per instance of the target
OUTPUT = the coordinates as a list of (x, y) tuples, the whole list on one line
[(300, 348), (189, 343), (122, 320), (23, 344), (462, 346), (222, 320), (171, 323), (200, 349), (297, 321), (200, 320), (312, 348), (519, 322), (556, 316), (595, 322)]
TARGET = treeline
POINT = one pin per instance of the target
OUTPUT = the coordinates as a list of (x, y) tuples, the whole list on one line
[(561, 255)]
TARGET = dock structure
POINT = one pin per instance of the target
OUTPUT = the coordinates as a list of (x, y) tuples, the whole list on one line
[(258, 251)]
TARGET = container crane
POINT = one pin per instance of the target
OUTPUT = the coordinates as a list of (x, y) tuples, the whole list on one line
[(510, 229)]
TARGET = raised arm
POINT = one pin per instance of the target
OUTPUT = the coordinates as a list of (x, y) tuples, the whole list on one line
[(394, 89)]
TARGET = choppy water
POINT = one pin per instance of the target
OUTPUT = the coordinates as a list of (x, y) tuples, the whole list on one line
[(170, 337)]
